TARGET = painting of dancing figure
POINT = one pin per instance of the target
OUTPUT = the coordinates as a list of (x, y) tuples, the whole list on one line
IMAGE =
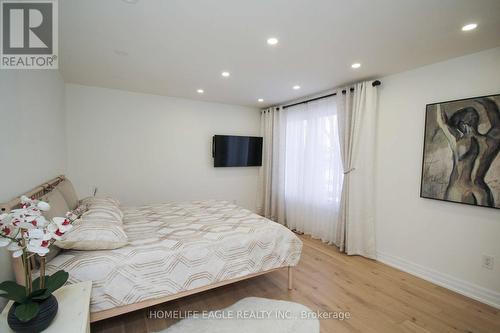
[(461, 161)]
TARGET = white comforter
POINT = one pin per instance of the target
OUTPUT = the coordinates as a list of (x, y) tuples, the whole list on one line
[(180, 246)]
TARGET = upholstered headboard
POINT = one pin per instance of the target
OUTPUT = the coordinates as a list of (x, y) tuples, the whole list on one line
[(36, 193)]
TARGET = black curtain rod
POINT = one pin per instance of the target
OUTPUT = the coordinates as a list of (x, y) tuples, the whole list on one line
[(374, 84)]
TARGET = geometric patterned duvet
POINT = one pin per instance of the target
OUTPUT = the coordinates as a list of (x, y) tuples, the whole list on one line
[(175, 247)]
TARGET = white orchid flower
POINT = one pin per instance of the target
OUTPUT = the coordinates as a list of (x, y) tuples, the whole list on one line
[(58, 227), (27, 225), (38, 246), (35, 234), (17, 214), (37, 221), (16, 249), (38, 241), (64, 224), (43, 206), (27, 218), (7, 230), (38, 249), (26, 200)]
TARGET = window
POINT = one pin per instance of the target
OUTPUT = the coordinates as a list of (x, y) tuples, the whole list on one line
[(313, 168)]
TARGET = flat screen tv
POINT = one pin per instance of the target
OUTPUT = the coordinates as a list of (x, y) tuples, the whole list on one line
[(236, 151)]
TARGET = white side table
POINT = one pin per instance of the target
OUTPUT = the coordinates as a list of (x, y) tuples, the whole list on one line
[(73, 314)]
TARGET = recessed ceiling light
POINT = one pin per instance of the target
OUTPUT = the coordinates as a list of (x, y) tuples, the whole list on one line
[(296, 87), (132, 2), (272, 41), (356, 65), (200, 91), (260, 100), (225, 74), (469, 27)]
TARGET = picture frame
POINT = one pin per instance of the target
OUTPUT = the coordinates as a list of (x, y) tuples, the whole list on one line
[(461, 159)]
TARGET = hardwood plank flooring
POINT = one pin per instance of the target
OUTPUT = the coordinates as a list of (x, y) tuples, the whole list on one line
[(379, 298)]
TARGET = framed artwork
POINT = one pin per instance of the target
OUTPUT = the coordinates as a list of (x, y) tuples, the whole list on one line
[(461, 160)]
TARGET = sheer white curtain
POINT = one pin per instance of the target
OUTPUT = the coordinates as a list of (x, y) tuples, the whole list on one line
[(313, 169), (318, 168)]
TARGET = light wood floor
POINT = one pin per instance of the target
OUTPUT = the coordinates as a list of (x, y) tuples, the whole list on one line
[(378, 297)]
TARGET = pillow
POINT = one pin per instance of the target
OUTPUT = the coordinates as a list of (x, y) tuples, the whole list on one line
[(103, 210), (93, 236), (100, 199), (53, 249), (58, 206), (68, 192)]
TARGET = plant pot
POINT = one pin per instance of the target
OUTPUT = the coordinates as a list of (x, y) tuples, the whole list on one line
[(47, 312)]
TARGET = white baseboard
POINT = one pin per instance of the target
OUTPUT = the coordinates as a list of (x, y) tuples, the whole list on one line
[(465, 288)]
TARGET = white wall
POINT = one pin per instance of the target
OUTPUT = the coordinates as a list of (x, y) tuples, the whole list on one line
[(32, 135), (441, 241), (145, 148)]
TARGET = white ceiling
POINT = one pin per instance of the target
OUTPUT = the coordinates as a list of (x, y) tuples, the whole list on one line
[(174, 47)]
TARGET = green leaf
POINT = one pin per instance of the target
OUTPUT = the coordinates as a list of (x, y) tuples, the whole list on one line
[(56, 280), (15, 299), (14, 291), (37, 293), (36, 282), (46, 294), (27, 311)]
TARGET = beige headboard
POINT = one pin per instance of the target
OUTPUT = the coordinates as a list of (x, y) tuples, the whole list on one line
[(36, 193)]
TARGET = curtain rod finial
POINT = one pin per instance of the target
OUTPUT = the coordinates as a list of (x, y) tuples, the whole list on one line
[(376, 83)]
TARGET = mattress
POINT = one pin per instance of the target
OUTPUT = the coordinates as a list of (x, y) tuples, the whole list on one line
[(176, 247)]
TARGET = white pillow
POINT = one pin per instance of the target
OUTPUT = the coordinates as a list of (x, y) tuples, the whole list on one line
[(93, 236), (102, 209), (100, 199), (111, 214)]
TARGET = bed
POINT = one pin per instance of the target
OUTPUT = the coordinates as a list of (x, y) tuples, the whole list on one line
[(178, 249)]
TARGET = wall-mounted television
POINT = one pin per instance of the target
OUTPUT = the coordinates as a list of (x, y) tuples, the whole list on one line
[(236, 151)]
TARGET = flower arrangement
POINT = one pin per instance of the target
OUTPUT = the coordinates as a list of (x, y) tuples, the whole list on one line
[(27, 233)]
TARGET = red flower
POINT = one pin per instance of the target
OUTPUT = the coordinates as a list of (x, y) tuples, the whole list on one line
[(66, 222), (45, 243)]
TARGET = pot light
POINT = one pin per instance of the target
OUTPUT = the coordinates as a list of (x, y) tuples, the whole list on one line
[(260, 100), (296, 87), (225, 74), (356, 65), (272, 41), (469, 27), (131, 2), (200, 91)]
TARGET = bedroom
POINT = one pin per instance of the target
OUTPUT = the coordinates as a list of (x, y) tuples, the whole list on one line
[(360, 108)]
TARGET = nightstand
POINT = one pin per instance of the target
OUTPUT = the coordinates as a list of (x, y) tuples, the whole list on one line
[(73, 314)]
